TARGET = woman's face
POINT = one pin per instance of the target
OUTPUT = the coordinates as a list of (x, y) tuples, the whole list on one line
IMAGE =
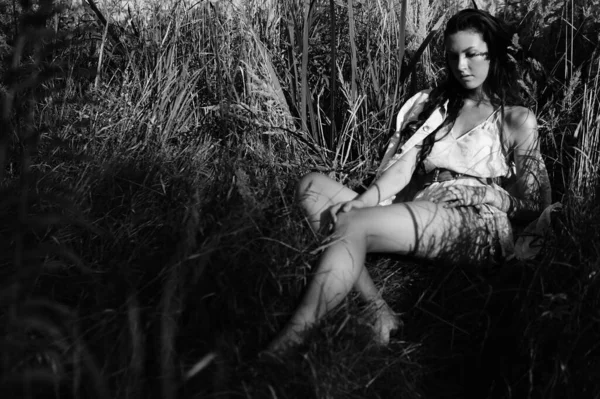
[(467, 55)]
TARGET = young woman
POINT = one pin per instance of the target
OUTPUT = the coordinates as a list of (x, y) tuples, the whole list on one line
[(478, 153)]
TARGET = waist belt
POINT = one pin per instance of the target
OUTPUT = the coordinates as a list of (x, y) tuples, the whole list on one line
[(440, 175)]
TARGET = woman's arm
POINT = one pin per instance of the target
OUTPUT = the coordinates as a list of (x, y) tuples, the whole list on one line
[(393, 179), (532, 188)]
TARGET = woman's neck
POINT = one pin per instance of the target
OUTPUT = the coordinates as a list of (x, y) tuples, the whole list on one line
[(477, 97)]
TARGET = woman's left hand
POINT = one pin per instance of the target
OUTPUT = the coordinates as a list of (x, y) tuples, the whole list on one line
[(458, 195), (344, 207)]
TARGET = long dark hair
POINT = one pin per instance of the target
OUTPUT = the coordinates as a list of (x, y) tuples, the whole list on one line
[(500, 84)]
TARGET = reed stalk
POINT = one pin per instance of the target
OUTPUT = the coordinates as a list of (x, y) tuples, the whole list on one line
[(585, 176), (332, 72), (353, 61), (305, 91)]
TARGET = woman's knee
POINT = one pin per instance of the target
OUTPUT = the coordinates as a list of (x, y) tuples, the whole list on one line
[(310, 182)]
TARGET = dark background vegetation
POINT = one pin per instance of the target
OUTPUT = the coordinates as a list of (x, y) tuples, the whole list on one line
[(149, 243)]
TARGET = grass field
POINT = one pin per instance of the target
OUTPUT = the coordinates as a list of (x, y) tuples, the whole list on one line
[(150, 245)]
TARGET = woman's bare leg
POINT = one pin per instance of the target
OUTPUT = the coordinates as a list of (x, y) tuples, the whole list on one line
[(316, 193), (420, 227)]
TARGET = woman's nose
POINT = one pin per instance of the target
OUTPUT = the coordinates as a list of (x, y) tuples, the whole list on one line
[(462, 63)]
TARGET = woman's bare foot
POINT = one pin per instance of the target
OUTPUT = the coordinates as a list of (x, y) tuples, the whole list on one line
[(291, 336), (385, 323)]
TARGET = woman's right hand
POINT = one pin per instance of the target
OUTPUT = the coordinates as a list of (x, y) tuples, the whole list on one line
[(456, 195), (346, 206)]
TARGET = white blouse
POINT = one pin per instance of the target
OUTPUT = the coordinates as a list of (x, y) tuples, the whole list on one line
[(476, 153)]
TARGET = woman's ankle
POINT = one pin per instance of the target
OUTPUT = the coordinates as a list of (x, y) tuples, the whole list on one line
[(385, 323), (292, 335)]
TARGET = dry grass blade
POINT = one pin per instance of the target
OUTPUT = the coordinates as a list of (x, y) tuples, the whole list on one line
[(416, 57), (348, 135), (353, 61), (585, 172), (332, 70), (304, 91), (272, 75), (374, 77), (200, 365), (168, 331), (402, 38), (138, 345), (100, 58)]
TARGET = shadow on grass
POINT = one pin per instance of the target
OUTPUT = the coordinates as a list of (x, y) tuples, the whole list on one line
[(520, 330)]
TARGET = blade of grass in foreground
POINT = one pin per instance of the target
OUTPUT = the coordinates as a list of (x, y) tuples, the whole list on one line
[(353, 62), (422, 47), (304, 73), (332, 79), (402, 39), (584, 180)]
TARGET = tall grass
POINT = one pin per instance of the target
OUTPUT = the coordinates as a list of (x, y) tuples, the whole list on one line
[(585, 171), (43, 347), (369, 82)]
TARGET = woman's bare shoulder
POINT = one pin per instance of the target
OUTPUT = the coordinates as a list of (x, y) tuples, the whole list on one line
[(521, 123), (520, 118)]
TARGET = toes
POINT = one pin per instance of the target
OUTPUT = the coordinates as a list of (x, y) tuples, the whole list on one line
[(385, 327)]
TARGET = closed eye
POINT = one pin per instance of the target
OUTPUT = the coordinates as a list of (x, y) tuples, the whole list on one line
[(479, 54), (473, 54)]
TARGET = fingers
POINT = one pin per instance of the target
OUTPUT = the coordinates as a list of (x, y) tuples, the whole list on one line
[(344, 207), (434, 195), (348, 206), (442, 194), (458, 195), (452, 204), (337, 208), (452, 196), (333, 211)]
